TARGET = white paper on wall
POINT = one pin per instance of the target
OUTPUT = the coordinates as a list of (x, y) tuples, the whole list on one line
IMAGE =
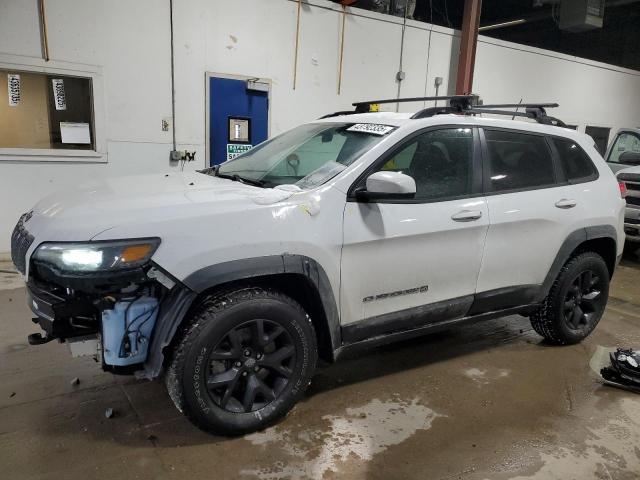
[(15, 91), (59, 97), (72, 132)]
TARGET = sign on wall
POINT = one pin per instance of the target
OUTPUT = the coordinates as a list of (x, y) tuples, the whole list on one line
[(59, 97), (13, 82), (235, 149)]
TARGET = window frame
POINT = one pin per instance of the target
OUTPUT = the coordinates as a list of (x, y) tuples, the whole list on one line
[(558, 173), (38, 66), (476, 168)]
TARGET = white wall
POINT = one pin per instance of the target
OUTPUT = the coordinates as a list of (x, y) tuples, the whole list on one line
[(126, 45)]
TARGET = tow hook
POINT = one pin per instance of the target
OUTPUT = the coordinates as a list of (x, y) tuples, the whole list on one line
[(38, 339)]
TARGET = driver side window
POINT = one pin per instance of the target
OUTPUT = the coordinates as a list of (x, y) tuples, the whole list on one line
[(440, 162)]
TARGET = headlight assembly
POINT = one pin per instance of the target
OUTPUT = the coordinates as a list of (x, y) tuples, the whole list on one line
[(97, 256)]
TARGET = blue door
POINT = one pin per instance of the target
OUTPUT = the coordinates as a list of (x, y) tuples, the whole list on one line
[(238, 118)]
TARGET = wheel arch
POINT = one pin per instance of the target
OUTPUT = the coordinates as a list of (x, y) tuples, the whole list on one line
[(601, 239), (297, 276)]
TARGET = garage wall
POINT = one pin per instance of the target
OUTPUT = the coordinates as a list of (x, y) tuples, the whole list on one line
[(126, 46)]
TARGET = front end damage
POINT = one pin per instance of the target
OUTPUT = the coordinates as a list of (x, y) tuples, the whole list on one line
[(124, 317)]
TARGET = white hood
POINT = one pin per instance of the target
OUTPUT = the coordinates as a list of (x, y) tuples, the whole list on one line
[(83, 213)]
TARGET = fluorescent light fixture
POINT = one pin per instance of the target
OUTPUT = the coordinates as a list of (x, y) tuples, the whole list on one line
[(510, 23)]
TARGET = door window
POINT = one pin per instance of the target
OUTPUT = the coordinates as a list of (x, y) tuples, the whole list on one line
[(439, 161), (518, 161), (575, 162), (626, 142)]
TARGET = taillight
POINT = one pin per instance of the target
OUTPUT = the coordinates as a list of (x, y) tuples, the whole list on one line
[(623, 189)]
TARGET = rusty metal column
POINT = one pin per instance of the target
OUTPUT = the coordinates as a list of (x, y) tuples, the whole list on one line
[(468, 42)]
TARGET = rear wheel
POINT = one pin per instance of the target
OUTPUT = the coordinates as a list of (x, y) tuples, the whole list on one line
[(576, 301), (245, 359)]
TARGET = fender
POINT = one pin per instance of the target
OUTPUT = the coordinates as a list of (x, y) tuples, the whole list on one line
[(175, 307), (573, 241)]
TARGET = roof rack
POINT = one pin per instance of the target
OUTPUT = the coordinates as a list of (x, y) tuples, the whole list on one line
[(462, 101), (465, 105)]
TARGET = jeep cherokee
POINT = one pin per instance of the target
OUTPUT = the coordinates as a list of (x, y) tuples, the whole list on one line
[(352, 230)]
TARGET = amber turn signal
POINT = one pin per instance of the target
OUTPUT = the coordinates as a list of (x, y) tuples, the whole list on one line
[(135, 253)]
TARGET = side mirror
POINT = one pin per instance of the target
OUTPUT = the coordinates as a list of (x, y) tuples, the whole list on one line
[(387, 185), (630, 158)]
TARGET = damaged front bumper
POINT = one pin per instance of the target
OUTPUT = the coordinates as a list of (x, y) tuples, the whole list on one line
[(126, 327)]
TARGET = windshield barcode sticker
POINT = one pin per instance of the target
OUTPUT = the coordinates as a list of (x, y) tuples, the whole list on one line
[(372, 128)]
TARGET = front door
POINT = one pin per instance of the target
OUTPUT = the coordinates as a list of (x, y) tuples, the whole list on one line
[(238, 117), (409, 263)]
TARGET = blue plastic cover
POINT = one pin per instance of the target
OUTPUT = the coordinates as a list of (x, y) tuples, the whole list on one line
[(136, 327)]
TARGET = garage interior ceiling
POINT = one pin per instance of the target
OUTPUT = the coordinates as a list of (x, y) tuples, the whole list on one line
[(615, 43)]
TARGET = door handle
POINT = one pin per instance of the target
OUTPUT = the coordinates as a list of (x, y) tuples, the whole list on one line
[(566, 203), (466, 215)]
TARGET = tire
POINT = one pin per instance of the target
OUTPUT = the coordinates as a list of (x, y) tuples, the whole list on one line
[(227, 380), (576, 301)]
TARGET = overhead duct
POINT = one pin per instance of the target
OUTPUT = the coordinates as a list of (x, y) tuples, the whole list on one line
[(581, 15)]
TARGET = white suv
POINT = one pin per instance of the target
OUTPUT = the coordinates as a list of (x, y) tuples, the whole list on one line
[(353, 230)]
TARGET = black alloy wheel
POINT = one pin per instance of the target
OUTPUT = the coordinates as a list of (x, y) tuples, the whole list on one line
[(584, 300), (250, 366), (244, 357), (576, 301)]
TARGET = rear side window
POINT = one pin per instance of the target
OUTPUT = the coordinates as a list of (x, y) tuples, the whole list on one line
[(575, 162), (518, 161)]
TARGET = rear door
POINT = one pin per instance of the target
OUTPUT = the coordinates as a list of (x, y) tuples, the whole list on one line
[(532, 212), (406, 263)]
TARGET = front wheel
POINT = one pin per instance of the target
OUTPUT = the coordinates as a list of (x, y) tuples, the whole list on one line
[(245, 359), (576, 301)]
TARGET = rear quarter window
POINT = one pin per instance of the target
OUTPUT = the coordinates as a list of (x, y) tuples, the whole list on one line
[(575, 162)]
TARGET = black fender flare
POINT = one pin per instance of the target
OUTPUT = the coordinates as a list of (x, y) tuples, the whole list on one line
[(573, 241), (181, 297)]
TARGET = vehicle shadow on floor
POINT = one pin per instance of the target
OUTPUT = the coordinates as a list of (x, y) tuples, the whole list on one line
[(362, 365)]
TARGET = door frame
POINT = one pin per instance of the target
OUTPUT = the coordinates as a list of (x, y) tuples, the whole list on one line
[(207, 113)]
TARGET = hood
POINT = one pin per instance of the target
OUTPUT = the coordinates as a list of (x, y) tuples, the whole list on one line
[(97, 206)]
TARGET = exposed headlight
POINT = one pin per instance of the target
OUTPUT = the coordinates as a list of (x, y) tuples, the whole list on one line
[(97, 256)]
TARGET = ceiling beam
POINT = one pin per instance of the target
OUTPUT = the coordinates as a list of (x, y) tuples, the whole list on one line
[(468, 43)]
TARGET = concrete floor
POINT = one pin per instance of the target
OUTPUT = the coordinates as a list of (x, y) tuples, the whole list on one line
[(482, 401)]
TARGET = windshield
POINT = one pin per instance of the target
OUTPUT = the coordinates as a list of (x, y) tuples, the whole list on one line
[(306, 156)]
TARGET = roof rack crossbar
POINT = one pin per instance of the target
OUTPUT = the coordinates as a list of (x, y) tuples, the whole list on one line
[(465, 105), (536, 113), (463, 100), (413, 99), (520, 105)]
